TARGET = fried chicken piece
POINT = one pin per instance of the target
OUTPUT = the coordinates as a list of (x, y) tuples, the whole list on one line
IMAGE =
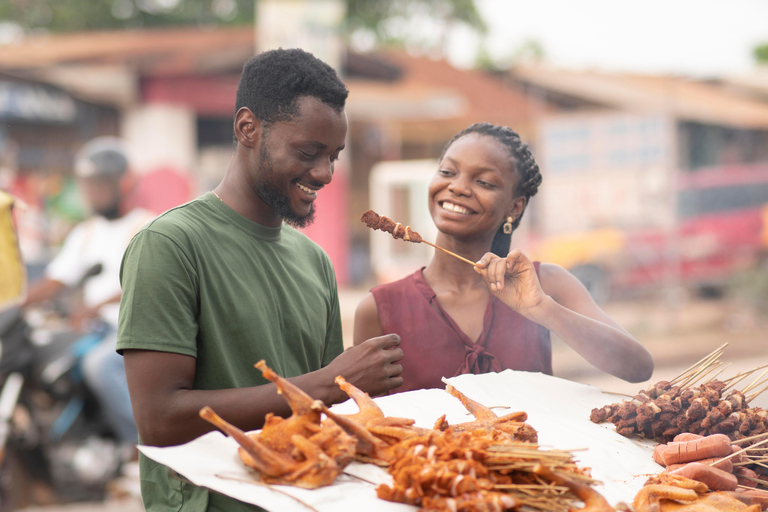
[(593, 500), (485, 419), (675, 493), (299, 450), (375, 432)]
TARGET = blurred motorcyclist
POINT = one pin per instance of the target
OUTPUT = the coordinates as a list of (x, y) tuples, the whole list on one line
[(102, 170)]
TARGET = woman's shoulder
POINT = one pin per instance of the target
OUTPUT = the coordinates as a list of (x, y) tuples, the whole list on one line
[(557, 281), (409, 281)]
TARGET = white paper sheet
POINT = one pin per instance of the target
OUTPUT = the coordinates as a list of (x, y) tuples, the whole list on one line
[(558, 409)]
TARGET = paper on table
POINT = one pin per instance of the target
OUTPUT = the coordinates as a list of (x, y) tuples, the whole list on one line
[(558, 409)]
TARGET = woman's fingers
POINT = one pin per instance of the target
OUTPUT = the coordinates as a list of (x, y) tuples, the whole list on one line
[(496, 271)]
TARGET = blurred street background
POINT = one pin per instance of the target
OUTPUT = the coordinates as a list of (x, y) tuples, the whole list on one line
[(649, 122)]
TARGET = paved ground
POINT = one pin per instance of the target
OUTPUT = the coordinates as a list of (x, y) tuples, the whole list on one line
[(678, 333)]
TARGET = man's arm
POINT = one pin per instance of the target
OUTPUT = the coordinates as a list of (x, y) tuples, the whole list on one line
[(42, 290), (81, 317), (166, 407)]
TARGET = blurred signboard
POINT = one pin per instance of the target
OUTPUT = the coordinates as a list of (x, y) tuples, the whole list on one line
[(35, 103), (606, 169)]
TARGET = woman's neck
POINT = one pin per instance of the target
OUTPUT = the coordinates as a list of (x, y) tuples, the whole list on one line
[(445, 271)]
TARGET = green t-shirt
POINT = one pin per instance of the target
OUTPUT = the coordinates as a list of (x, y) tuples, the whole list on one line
[(204, 281)]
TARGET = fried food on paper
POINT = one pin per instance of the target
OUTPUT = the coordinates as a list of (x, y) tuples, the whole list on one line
[(674, 493), (300, 450), (474, 471), (376, 433), (512, 425)]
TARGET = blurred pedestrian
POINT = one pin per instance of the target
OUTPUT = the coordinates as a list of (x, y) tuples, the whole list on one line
[(90, 257)]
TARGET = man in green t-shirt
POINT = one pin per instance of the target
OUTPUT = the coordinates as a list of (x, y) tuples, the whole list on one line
[(213, 286)]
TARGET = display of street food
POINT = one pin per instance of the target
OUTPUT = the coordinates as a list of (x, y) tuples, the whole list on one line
[(301, 450), (713, 414), (712, 446), (475, 471), (489, 463), (711, 441)]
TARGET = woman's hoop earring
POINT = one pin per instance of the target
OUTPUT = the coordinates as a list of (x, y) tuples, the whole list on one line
[(508, 226)]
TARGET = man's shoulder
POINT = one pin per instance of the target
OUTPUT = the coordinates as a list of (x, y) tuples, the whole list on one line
[(186, 218)]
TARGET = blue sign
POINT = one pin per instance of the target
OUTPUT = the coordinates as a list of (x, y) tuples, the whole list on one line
[(35, 103)]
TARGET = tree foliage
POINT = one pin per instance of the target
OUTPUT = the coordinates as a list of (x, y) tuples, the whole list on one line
[(390, 21), (761, 53), (385, 21), (79, 15)]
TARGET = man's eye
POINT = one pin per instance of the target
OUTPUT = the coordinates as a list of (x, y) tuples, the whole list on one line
[(444, 172), (486, 184), (308, 156), (334, 158)]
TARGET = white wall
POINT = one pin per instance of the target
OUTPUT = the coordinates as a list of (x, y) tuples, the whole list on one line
[(161, 136)]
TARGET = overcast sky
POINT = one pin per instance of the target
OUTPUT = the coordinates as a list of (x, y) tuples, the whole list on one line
[(700, 37)]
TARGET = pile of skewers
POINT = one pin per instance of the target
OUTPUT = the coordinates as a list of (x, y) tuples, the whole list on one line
[(671, 408), (448, 471)]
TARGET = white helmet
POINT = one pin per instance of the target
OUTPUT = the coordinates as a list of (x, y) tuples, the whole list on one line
[(102, 157)]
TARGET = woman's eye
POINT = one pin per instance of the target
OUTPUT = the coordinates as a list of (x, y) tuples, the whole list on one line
[(486, 184), (444, 172)]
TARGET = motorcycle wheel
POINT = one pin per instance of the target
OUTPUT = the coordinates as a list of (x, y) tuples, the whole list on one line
[(14, 483)]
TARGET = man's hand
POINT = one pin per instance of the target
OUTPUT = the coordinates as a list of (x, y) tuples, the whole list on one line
[(372, 365), (80, 319), (512, 280)]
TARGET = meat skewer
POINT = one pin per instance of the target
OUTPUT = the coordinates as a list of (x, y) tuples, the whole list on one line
[(383, 223)]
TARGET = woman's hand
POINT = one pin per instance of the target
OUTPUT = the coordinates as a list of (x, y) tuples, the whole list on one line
[(512, 280)]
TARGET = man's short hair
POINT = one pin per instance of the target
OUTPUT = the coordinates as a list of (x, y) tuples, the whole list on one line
[(273, 81)]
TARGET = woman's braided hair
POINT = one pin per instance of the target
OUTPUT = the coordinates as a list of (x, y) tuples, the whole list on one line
[(521, 159)]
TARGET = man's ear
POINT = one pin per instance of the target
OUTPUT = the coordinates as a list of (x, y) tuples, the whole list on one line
[(248, 128)]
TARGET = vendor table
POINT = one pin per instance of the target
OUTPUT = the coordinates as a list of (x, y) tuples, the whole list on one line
[(558, 409)]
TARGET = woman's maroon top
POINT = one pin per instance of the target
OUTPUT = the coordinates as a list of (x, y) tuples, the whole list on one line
[(435, 347)]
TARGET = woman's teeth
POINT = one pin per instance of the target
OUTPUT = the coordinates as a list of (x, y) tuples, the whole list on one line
[(455, 208), (306, 189)]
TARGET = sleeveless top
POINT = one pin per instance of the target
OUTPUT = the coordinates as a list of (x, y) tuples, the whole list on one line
[(434, 346)]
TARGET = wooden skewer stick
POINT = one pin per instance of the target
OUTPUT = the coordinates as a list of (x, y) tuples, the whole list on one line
[(756, 394), (739, 452), (693, 379), (701, 362), (741, 376), (727, 365), (449, 252), (754, 382), (750, 438), (706, 368)]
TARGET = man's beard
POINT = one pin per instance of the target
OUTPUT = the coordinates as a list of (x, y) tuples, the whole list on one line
[(279, 203)]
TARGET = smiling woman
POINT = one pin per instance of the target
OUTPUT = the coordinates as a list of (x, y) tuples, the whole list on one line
[(453, 319)]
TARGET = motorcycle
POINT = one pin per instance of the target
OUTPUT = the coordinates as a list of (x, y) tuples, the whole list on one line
[(54, 439)]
